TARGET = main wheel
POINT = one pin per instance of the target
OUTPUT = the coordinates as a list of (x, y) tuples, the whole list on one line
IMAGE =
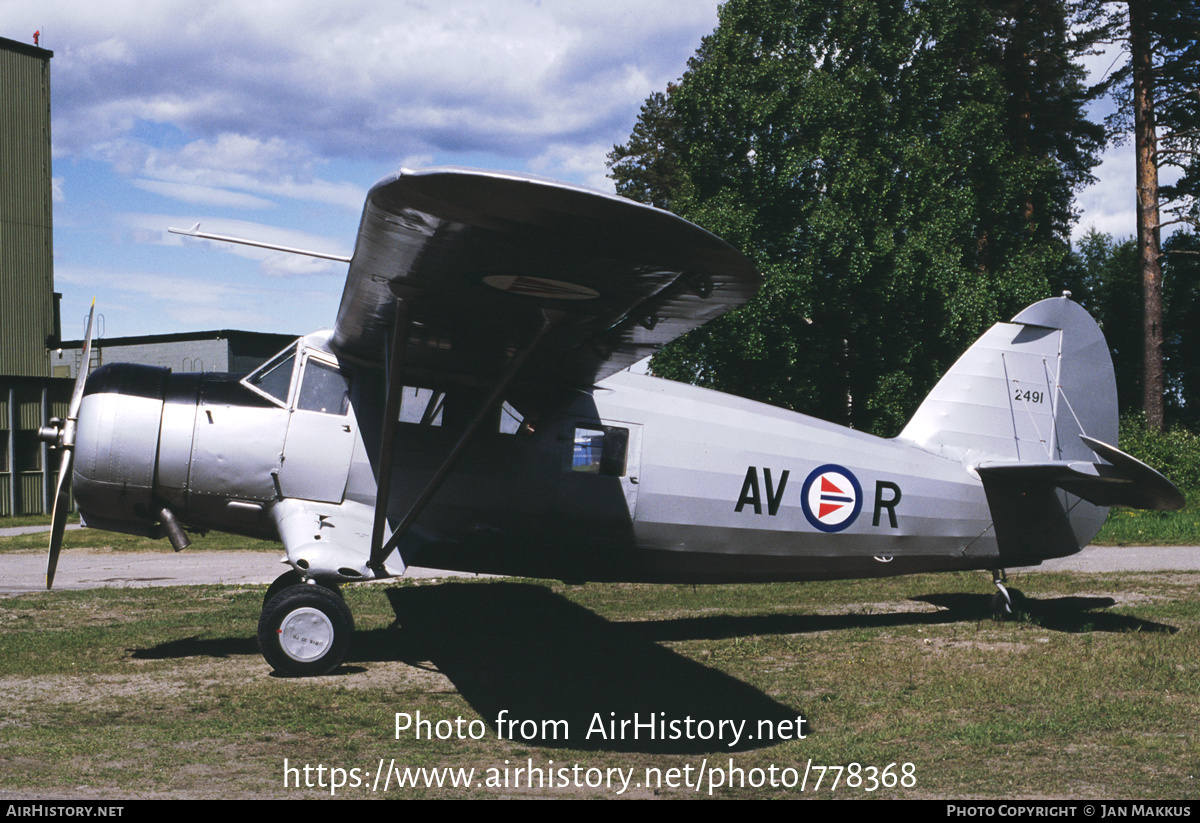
[(305, 631), (284, 581)]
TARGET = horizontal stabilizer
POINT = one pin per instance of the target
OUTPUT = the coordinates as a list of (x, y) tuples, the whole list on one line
[(1122, 481)]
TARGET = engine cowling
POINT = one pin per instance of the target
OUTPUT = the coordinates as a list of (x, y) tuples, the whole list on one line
[(116, 447)]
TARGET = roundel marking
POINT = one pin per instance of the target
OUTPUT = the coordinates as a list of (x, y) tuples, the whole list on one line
[(831, 498), (540, 287)]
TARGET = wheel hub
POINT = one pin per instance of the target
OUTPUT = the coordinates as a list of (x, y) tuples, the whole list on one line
[(305, 634)]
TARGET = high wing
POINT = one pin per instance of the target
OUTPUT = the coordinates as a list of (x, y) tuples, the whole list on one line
[(484, 263)]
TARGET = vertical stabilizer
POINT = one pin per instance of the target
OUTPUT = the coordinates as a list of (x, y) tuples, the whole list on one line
[(1022, 396), (1025, 391)]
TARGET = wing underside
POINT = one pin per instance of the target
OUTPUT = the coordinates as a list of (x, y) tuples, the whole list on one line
[(481, 261)]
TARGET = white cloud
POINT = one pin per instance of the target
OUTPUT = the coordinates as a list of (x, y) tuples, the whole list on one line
[(182, 299), (152, 228), (366, 77), (1108, 205), (583, 163), (230, 108), (203, 195), (186, 302)]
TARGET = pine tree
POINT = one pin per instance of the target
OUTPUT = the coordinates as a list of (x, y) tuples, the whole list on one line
[(1158, 92)]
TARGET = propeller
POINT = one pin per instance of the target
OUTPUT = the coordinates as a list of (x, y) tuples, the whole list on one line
[(63, 436)]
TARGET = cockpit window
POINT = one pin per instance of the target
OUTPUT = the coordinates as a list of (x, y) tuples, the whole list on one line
[(274, 378), (324, 389)]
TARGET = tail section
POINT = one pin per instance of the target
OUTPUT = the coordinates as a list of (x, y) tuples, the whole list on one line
[(1031, 409), (1024, 391)]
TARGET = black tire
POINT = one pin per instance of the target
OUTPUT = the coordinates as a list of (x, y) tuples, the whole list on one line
[(305, 631), (285, 581), (292, 578)]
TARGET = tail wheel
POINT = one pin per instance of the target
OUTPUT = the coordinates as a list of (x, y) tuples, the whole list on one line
[(1001, 607), (305, 631), (1007, 605)]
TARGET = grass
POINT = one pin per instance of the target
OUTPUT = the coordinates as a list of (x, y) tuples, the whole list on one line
[(32, 520), (1094, 693), (114, 541), (1131, 527)]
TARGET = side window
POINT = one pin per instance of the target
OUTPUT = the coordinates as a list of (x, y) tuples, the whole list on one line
[(426, 406), (324, 389), (511, 421), (600, 450), (421, 406)]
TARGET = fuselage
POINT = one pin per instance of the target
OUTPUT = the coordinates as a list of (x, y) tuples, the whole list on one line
[(638, 479), (699, 486)]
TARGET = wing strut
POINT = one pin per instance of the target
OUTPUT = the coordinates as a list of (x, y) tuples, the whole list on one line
[(391, 418), (380, 552)]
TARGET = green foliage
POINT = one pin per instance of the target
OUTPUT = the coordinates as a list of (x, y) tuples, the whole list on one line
[(901, 172), (1181, 327), (1174, 451), (1103, 277)]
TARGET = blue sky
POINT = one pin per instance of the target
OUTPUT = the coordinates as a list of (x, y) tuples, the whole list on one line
[(271, 120)]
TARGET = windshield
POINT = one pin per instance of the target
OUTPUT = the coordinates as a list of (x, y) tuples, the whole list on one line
[(273, 379)]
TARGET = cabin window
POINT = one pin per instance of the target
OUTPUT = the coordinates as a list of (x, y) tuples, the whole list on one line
[(426, 407), (275, 378), (600, 450), (422, 407), (511, 421), (325, 389)]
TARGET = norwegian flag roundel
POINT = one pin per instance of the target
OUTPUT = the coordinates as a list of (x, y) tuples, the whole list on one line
[(831, 498)]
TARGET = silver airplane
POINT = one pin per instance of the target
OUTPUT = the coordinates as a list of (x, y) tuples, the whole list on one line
[(472, 410)]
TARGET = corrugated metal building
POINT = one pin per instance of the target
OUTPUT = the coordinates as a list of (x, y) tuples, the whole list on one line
[(28, 469), (28, 327), (26, 222)]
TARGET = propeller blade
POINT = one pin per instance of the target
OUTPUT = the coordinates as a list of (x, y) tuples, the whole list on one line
[(62, 493), (81, 378), (58, 521)]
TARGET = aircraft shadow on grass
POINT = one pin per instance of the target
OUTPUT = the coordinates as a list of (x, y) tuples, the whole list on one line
[(520, 648), (1071, 615), (524, 650)]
